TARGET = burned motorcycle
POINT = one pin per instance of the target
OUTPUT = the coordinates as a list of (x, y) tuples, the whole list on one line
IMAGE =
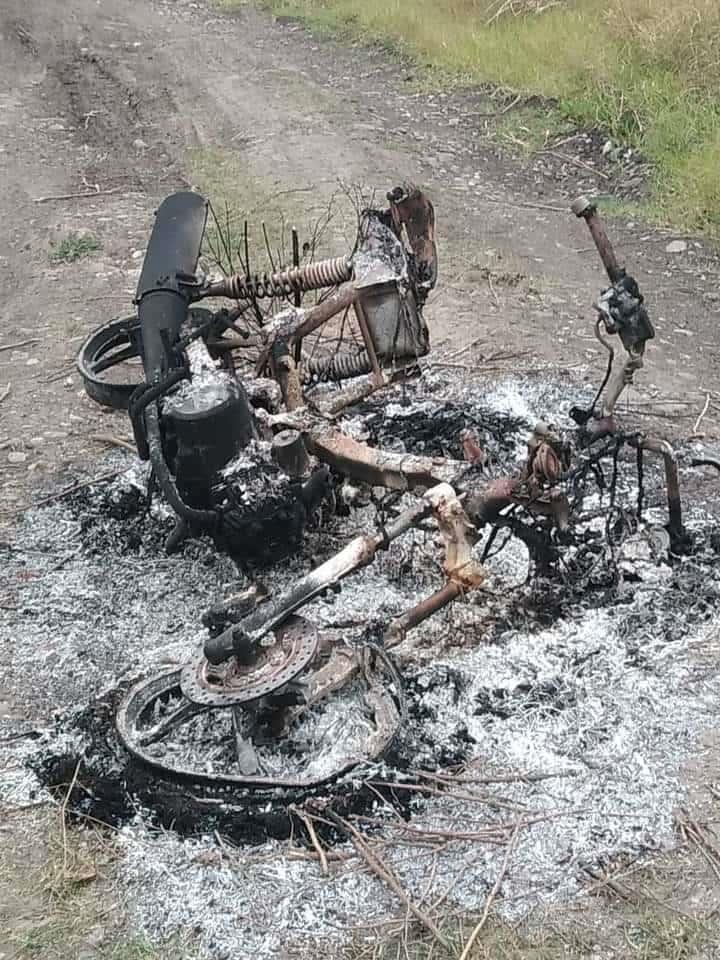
[(253, 471)]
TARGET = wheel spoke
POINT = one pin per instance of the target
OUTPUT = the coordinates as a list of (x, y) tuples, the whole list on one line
[(163, 727)]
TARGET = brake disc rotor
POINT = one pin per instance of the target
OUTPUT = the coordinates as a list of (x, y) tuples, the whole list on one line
[(281, 656)]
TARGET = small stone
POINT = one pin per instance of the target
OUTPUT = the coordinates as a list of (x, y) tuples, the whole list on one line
[(32, 362), (136, 254), (34, 442), (139, 144), (57, 127), (68, 381), (676, 246), (607, 147), (17, 456)]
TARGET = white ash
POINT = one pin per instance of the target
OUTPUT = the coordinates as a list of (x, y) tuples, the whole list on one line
[(85, 619), (242, 905), (205, 391), (599, 693), (323, 741)]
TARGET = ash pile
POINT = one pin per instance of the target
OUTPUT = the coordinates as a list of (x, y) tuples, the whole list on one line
[(386, 620)]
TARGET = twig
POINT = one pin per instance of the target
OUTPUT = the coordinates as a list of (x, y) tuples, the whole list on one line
[(491, 288), (490, 835), (525, 204), (576, 162), (447, 792), (493, 893), (20, 343), (70, 490), (313, 837), (5, 393), (113, 441), (383, 872), (458, 353), (525, 777), (74, 196), (692, 830), (63, 811), (702, 414)]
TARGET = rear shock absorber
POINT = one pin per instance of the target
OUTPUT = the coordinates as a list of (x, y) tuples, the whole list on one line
[(284, 283), (338, 367)]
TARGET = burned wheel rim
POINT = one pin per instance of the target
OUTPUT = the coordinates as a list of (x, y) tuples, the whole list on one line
[(155, 711), (110, 346)]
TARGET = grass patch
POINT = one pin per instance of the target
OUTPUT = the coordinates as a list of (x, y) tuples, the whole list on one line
[(58, 898), (530, 129), (645, 71), (74, 247)]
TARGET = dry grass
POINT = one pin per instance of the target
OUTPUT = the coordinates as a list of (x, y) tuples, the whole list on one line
[(645, 71), (58, 898), (644, 934)]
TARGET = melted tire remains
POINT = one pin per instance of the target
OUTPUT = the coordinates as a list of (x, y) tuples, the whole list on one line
[(138, 728)]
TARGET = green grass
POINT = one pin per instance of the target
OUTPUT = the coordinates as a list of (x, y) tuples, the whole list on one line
[(647, 72), (74, 247)]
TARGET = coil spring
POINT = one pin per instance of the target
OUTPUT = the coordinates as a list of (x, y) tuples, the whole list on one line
[(314, 276), (338, 367)]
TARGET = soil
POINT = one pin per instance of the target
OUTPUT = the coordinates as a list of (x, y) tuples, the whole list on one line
[(111, 101)]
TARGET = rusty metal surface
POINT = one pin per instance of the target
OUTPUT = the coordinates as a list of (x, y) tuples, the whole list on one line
[(411, 209), (672, 482), (362, 319), (458, 536), (587, 211), (380, 467), (279, 658), (283, 283)]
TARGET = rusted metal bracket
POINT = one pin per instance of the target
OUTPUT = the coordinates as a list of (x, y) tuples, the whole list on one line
[(459, 537), (379, 468), (464, 574)]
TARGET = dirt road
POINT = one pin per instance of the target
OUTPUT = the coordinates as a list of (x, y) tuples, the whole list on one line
[(127, 98), (124, 102)]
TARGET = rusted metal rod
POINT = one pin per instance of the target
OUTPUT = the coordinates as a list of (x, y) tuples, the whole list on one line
[(672, 482), (379, 468), (412, 618), (586, 210), (369, 343), (316, 316), (358, 553)]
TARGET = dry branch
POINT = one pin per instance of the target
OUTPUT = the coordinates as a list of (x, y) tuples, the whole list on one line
[(307, 823), (68, 491), (20, 343), (493, 893), (384, 873)]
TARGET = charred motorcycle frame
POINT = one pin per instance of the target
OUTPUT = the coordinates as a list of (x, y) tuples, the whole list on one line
[(212, 437)]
